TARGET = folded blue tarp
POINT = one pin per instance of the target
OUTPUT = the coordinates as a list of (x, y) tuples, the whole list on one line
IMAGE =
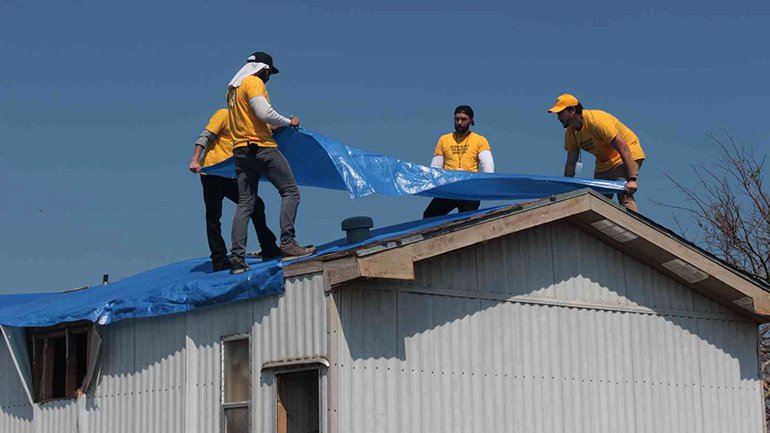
[(173, 288), (320, 162)]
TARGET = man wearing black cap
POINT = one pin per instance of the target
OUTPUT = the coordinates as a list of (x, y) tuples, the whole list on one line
[(251, 117), (460, 150)]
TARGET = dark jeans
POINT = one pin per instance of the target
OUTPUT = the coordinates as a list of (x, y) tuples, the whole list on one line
[(251, 162), (442, 206), (215, 190)]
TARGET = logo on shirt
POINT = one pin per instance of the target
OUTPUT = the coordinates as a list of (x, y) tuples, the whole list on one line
[(459, 149)]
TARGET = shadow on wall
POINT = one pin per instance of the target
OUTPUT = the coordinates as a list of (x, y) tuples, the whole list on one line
[(18, 412), (555, 263)]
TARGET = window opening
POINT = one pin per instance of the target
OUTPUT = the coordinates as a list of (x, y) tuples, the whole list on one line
[(298, 402), (59, 361), (236, 385)]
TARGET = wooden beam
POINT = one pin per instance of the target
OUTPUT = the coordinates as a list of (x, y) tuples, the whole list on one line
[(302, 268), (496, 228), (340, 270), (392, 264)]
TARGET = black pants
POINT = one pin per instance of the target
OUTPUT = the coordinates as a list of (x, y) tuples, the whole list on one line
[(442, 206), (215, 190)]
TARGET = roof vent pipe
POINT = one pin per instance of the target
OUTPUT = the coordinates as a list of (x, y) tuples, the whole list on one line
[(357, 228)]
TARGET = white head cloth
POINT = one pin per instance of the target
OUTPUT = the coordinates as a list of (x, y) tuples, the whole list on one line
[(249, 68)]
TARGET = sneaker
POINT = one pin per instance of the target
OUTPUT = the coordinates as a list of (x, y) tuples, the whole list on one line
[(267, 254), (220, 266), (294, 251), (238, 265)]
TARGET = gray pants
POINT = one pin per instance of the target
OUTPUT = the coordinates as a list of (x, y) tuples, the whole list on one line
[(251, 162)]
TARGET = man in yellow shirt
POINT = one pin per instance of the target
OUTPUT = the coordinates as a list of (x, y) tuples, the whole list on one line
[(619, 155), (460, 150), (216, 145), (256, 154)]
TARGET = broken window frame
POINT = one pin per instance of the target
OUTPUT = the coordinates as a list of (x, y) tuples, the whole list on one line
[(42, 361), (231, 405)]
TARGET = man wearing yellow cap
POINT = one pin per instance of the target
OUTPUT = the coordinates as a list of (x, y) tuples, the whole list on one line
[(616, 148)]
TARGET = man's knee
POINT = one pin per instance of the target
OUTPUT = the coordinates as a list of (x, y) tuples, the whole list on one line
[(290, 192)]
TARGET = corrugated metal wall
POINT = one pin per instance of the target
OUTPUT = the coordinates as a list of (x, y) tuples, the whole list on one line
[(555, 332), (15, 411), (163, 374)]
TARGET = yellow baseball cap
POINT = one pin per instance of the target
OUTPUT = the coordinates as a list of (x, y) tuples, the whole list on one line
[(562, 102)]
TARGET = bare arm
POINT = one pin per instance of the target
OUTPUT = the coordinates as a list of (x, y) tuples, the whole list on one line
[(569, 166), (632, 170), (620, 145)]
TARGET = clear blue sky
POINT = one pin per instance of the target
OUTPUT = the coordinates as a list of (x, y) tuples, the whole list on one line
[(102, 101)]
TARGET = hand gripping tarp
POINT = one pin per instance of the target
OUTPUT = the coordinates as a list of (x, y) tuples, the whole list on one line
[(320, 162)]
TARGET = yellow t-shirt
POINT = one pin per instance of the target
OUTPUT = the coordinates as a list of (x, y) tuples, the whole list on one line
[(599, 128), (461, 154), (244, 124), (221, 147)]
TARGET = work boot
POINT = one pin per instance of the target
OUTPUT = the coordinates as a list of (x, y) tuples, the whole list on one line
[(238, 265), (219, 266), (294, 251)]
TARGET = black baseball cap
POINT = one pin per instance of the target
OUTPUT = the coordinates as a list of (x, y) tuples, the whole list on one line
[(465, 109), (262, 57)]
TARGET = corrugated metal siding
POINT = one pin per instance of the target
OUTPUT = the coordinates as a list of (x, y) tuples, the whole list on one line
[(431, 363), (164, 374), (15, 410), (561, 263), (454, 351), (293, 328)]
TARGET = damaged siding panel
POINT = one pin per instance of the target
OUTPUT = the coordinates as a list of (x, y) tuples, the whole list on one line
[(142, 380)]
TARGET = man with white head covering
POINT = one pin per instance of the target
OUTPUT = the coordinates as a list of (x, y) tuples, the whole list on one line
[(256, 154)]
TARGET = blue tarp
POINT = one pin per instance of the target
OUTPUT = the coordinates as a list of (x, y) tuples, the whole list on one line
[(324, 163), (316, 161), (175, 288)]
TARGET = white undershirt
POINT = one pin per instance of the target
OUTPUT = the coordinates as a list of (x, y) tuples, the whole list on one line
[(266, 113), (486, 162)]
